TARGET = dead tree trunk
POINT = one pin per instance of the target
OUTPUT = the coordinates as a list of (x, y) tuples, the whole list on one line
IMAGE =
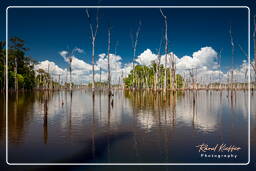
[(191, 73), (157, 74), (48, 78), (134, 46), (254, 42), (172, 71), (93, 39), (232, 60), (109, 43), (219, 61), (166, 49), (70, 72), (100, 75)]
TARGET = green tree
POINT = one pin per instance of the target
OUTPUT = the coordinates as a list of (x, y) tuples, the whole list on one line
[(21, 72), (2, 64), (145, 77)]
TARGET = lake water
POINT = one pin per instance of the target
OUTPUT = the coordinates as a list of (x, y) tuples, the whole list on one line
[(128, 127)]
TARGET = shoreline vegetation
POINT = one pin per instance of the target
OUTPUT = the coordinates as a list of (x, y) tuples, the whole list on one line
[(23, 77), (157, 76)]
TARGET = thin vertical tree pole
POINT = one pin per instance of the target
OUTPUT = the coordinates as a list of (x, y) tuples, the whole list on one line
[(122, 76), (134, 44), (48, 79), (254, 42), (219, 61), (173, 71), (109, 43), (157, 75), (232, 57), (59, 82), (70, 72), (166, 49), (93, 39), (170, 71), (100, 75)]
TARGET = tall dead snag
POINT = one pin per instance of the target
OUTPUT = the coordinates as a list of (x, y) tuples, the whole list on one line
[(100, 75), (109, 43), (166, 49), (70, 70), (48, 78), (219, 63), (254, 42), (232, 57), (157, 69), (93, 39), (245, 54), (172, 71), (134, 47), (192, 76)]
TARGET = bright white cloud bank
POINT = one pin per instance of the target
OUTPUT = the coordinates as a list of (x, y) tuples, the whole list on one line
[(49, 66), (204, 62), (205, 57), (146, 57)]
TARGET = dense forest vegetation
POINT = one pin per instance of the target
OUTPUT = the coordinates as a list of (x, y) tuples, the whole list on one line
[(152, 77), (21, 73)]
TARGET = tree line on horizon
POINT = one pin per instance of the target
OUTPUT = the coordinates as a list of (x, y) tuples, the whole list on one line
[(21, 72)]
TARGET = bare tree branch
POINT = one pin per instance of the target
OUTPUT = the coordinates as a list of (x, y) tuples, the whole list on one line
[(232, 57), (109, 44), (93, 39), (166, 48), (134, 45)]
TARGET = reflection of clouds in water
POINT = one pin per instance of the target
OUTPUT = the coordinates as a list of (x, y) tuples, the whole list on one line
[(80, 111), (211, 108), (205, 115), (146, 120)]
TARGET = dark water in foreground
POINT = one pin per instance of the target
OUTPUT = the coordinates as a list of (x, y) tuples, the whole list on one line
[(137, 127)]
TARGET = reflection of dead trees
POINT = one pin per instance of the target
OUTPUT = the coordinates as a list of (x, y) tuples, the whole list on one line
[(109, 127), (93, 126), (166, 139), (45, 125), (173, 107), (193, 108), (70, 111), (135, 145)]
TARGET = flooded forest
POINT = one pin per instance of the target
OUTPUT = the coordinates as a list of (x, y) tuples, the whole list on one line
[(155, 113)]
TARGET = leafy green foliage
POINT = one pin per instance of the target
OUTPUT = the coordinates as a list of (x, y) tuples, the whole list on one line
[(144, 77), (17, 61)]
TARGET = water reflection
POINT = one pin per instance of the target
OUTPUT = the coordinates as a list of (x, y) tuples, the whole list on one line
[(45, 117), (127, 126)]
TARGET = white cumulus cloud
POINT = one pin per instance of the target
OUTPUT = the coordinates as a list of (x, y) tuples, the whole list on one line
[(146, 57), (51, 66)]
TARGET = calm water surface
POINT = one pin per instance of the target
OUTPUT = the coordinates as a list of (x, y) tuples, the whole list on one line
[(139, 126)]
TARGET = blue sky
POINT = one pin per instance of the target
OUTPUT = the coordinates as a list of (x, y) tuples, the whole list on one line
[(49, 31)]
